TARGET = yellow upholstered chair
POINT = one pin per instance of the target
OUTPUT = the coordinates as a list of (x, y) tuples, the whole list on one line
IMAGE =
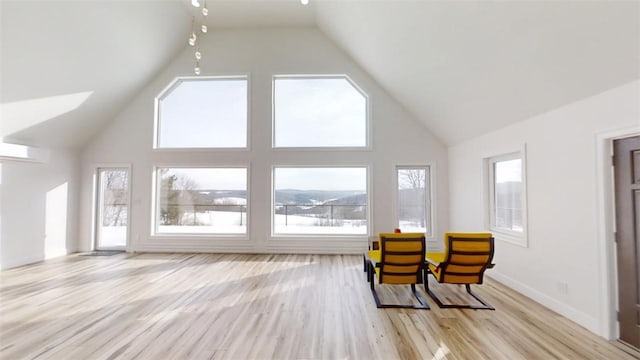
[(399, 261), (465, 258)]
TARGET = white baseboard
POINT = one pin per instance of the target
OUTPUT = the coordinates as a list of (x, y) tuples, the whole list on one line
[(34, 259), (577, 316), (271, 246), (13, 263)]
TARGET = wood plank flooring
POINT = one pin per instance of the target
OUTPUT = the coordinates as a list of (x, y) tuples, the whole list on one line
[(214, 306)]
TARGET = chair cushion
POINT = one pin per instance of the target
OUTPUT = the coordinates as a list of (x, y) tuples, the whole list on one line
[(400, 235), (435, 271), (456, 279), (465, 264), (435, 258), (374, 255), (479, 235), (403, 259)]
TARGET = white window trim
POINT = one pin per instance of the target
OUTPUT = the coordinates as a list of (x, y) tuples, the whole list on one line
[(366, 147), (429, 194), (155, 205), (330, 237), (509, 236), (172, 85)]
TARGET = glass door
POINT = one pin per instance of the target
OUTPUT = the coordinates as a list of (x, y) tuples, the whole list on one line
[(112, 208)]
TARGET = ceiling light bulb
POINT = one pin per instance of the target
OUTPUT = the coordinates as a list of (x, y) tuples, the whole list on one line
[(192, 39), (198, 55), (204, 28), (195, 3), (205, 11), (196, 70), (304, 2)]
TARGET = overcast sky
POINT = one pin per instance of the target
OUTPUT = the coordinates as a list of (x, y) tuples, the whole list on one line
[(319, 112), (510, 170), (321, 178), (308, 112), (205, 114), (214, 179), (354, 179)]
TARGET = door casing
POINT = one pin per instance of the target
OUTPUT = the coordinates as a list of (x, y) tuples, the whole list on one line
[(606, 324), (627, 196)]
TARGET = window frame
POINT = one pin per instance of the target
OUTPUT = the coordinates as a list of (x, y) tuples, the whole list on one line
[(429, 195), (368, 142), (368, 209), (514, 237), (155, 204), (176, 83)]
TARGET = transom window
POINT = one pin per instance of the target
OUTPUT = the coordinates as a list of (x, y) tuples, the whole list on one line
[(206, 112), (318, 112), (201, 201), (320, 200)]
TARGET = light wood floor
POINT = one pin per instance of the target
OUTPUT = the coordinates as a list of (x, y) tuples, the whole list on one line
[(203, 306)]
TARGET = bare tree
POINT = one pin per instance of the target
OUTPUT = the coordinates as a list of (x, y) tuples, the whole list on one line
[(176, 195), (413, 181), (115, 198)]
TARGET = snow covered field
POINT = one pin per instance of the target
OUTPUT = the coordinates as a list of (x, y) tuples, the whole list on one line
[(309, 225), (412, 227), (210, 222), (227, 222), (113, 236)]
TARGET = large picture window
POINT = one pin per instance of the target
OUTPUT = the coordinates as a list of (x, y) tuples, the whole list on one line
[(507, 197), (318, 112), (201, 200), (320, 200), (203, 113), (413, 199)]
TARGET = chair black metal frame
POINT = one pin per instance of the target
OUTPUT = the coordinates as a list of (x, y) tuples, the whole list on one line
[(444, 265), (413, 268)]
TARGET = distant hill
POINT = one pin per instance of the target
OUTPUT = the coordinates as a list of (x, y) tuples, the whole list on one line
[(309, 197), (207, 197), (359, 199), (282, 197)]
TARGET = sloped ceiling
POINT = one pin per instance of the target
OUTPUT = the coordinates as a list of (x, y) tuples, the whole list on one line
[(462, 68), (68, 67), (466, 68)]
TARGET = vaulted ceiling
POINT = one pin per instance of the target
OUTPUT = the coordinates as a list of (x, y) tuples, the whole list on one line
[(462, 68)]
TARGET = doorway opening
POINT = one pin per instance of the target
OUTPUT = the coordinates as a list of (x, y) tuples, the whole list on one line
[(626, 170), (112, 208), (608, 324)]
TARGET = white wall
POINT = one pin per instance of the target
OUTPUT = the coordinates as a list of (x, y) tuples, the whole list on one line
[(563, 219), (396, 136), (39, 208)]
